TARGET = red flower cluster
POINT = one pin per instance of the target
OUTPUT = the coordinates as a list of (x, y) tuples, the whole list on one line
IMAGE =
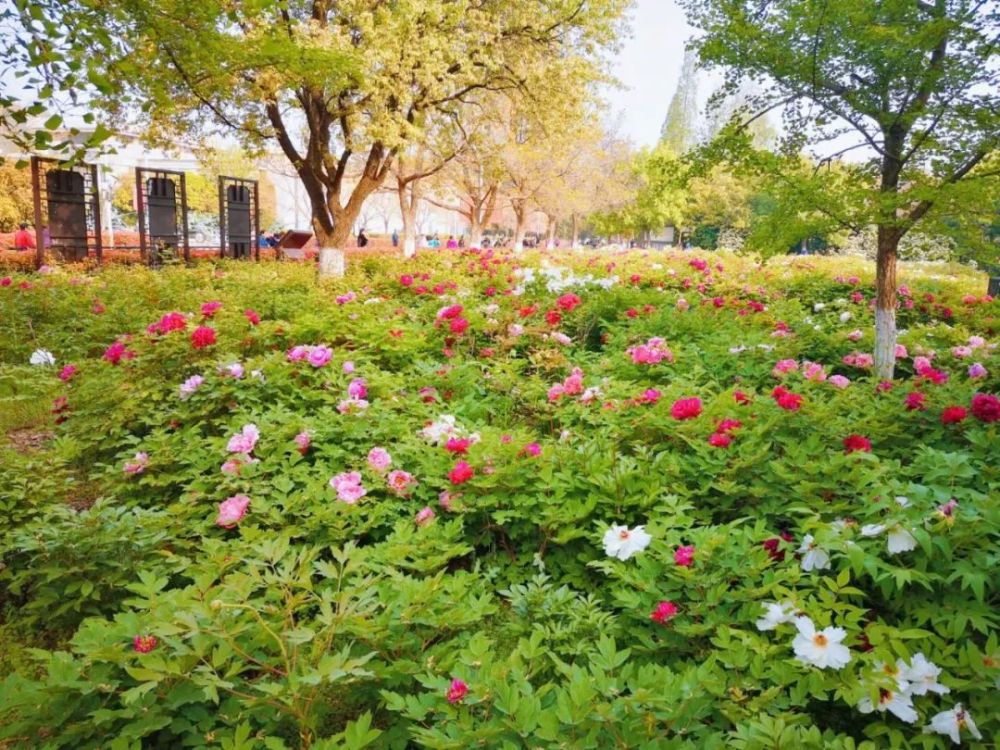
[(916, 401), (202, 336), (143, 644), (568, 302), (786, 399), (172, 321), (461, 473), (664, 612), (117, 352), (954, 415), (986, 407), (855, 443), (686, 408), (723, 435)]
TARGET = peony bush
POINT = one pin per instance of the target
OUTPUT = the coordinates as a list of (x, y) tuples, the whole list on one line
[(566, 500)]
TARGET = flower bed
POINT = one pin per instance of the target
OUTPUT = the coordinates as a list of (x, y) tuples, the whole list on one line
[(598, 500)]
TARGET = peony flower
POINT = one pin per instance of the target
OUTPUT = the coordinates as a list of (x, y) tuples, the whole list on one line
[(189, 386), (234, 370), (348, 367), (143, 644), (776, 614), (303, 441), (358, 388), (684, 556), (952, 723), (786, 399), (686, 408), (208, 309), (400, 482), (379, 459), (461, 473), (976, 371), (532, 449), (899, 539), (67, 373), (138, 464), (664, 612), (838, 381), (202, 336), (352, 405), (784, 366), (117, 352), (231, 510), (916, 401), (424, 516), (348, 487), (245, 440), (986, 407), (954, 415), (622, 543), (961, 352), (773, 546), (857, 443), (298, 353), (898, 703), (813, 557), (823, 649), (42, 358), (457, 691), (252, 316), (814, 372), (921, 676), (568, 302), (319, 356)]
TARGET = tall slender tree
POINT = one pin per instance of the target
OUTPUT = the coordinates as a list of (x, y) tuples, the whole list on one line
[(912, 86), (679, 131)]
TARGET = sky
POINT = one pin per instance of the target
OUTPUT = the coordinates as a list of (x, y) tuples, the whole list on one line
[(648, 66)]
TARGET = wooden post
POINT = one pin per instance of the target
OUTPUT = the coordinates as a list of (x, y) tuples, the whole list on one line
[(184, 220), (36, 189), (256, 220), (140, 212), (98, 238), (222, 218)]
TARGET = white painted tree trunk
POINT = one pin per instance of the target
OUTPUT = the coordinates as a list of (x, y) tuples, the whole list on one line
[(332, 263), (409, 246), (885, 342)]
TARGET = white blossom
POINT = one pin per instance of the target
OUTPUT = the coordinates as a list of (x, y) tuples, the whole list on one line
[(622, 543), (776, 614), (823, 648), (952, 723)]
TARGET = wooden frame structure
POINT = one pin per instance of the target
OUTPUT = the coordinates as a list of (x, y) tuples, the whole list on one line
[(71, 198), (162, 219)]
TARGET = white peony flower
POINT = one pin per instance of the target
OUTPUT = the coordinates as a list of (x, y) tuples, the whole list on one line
[(899, 704), (845, 316), (819, 306), (813, 558), (622, 543), (822, 648), (922, 676), (952, 722), (42, 357), (899, 539), (776, 614)]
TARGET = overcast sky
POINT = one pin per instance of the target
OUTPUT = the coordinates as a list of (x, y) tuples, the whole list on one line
[(648, 66)]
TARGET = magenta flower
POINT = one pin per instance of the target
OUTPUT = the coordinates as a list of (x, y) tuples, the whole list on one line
[(245, 440), (424, 516), (358, 388), (976, 371), (209, 309), (138, 464), (684, 556), (231, 510), (143, 644), (686, 408), (320, 356), (457, 691), (303, 441), (664, 612)]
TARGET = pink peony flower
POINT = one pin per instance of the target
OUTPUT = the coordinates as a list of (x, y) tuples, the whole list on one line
[(401, 482), (976, 341), (208, 309), (784, 366), (976, 370), (343, 299), (901, 352), (813, 371), (961, 352), (424, 516), (348, 487), (117, 352), (252, 316), (303, 441), (348, 367), (231, 510), (684, 556), (838, 381), (683, 305), (686, 408), (573, 385), (189, 386), (532, 449), (664, 612), (358, 388), (652, 352), (916, 401), (138, 464), (457, 691), (379, 459), (320, 356), (855, 335), (352, 405), (67, 373), (568, 302), (245, 440), (720, 439)]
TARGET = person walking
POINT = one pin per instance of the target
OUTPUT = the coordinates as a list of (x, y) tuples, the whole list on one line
[(362, 239), (23, 239), (395, 238), (452, 242)]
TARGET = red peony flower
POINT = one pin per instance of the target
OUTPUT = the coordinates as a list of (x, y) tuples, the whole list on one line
[(854, 443), (664, 612), (741, 398), (143, 644), (461, 473), (553, 318), (686, 408), (458, 445), (786, 399), (720, 439), (568, 302), (773, 546), (209, 309), (986, 407), (406, 280), (954, 415), (458, 325), (202, 336), (684, 556), (916, 401), (457, 691), (252, 316)]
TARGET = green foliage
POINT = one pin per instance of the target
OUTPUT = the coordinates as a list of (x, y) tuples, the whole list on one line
[(317, 623)]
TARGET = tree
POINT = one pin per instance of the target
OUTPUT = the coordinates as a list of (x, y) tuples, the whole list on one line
[(678, 132), (16, 205), (363, 76), (914, 83)]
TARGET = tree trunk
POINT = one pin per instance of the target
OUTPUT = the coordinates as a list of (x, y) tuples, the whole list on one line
[(475, 229), (332, 260), (408, 209), (885, 302), (520, 207), (550, 233), (576, 231)]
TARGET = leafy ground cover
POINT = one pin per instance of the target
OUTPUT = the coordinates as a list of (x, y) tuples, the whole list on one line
[(572, 501)]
